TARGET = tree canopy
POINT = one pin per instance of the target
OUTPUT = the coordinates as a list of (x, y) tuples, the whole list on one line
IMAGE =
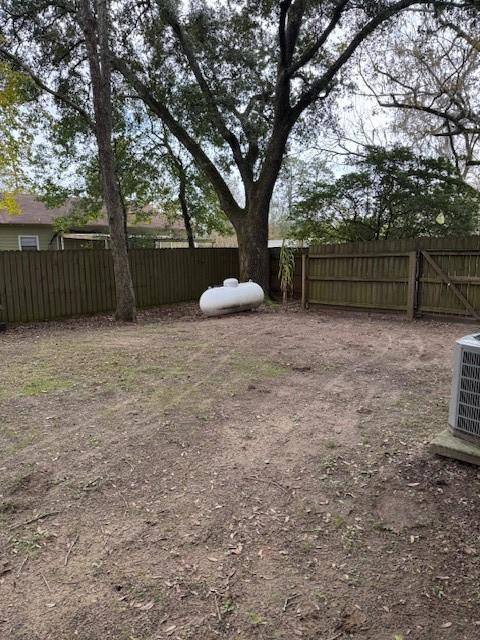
[(155, 175), (235, 83), (16, 134), (434, 91)]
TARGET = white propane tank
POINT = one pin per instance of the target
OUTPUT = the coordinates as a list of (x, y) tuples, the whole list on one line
[(230, 298)]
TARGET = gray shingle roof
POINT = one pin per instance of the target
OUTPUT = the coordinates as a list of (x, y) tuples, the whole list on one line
[(35, 212)]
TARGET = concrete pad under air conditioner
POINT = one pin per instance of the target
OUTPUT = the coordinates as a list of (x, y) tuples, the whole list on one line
[(449, 446)]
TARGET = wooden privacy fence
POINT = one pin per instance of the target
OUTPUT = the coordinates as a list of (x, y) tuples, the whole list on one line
[(417, 276), (42, 285), (420, 276)]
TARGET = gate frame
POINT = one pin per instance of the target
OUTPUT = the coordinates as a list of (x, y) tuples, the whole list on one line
[(448, 281)]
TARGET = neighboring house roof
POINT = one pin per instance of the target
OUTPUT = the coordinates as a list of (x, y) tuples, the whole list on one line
[(35, 212)]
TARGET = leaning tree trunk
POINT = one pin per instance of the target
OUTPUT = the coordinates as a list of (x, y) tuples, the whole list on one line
[(252, 236), (125, 295)]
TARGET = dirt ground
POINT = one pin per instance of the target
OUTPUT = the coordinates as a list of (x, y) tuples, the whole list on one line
[(258, 476)]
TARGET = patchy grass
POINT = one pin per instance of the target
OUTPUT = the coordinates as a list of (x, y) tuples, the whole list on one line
[(30, 545), (22, 381), (42, 384), (254, 366)]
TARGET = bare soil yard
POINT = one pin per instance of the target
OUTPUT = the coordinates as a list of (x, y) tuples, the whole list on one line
[(259, 476)]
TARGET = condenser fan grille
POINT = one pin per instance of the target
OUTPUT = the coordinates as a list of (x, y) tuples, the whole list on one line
[(468, 417)]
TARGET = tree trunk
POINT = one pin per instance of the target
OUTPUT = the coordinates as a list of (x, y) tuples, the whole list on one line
[(125, 295), (124, 212), (254, 259), (96, 38), (252, 227), (187, 221)]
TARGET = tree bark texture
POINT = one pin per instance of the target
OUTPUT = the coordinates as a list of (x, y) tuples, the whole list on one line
[(96, 31)]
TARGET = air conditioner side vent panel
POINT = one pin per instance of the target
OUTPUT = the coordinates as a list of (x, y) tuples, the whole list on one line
[(468, 406)]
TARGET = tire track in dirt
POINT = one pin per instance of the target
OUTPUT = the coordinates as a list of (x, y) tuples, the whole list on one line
[(268, 433)]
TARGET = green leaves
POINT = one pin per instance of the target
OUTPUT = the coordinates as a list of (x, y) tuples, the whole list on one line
[(15, 135), (391, 193), (286, 270), (9, 203)]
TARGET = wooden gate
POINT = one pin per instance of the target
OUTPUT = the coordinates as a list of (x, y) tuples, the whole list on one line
[(448, 283), (418, 276)]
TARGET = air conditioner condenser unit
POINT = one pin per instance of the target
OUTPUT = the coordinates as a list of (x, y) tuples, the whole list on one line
[(464, 412), (461, 440)]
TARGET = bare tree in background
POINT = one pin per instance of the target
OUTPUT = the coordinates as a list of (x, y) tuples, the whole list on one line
[(430, 74)]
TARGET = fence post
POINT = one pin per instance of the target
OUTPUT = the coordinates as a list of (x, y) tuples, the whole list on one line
[(412, 284), (304, 280)]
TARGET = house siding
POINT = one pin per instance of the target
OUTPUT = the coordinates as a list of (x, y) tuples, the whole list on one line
[(9, 236)]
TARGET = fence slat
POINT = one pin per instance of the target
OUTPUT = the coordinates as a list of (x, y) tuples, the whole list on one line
[(412, 285)]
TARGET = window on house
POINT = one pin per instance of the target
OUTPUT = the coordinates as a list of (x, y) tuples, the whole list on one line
[(28, 243)]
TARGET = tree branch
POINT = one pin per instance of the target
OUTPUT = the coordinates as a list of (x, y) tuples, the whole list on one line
[(203, 162), (311, 52), (6, 55), (312, 94), (439, 113), (212, 106), (295, 16), (473, 42), (284, 7)]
